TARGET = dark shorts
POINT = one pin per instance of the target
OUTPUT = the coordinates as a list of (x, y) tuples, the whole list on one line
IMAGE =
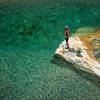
[(66, 40)]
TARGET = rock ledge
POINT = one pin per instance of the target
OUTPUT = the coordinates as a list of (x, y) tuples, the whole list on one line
[(88, 58)]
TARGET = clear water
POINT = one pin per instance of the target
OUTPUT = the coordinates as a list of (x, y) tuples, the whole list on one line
[(30, 32)]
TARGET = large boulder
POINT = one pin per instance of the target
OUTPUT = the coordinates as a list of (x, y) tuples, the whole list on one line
[(84, 52)]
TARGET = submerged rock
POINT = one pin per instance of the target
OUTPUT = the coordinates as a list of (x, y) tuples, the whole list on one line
[(84, 52), (85, 30)]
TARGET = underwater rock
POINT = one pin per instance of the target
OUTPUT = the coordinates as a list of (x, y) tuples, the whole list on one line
[(52, 20), (34, 26), (85, 53), (85, 30), (21, 31), (28, 31), (25, 20)]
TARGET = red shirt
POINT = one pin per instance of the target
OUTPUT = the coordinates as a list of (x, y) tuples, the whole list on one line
[(67, 33)]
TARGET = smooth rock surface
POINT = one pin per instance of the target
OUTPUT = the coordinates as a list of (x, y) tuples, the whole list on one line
[(89, 59)]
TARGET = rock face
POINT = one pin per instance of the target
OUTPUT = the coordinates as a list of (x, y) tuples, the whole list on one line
[(84, 52), (96, 48)]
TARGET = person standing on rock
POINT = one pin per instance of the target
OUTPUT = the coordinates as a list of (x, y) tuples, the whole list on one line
[(67, 33)]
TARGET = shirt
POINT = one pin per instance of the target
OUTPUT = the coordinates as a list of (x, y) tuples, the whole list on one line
[(67, 33)]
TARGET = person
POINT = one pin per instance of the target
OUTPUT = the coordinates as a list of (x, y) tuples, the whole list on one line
[(67, 33)]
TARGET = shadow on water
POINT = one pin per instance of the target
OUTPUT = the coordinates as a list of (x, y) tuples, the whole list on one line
[(60, 61)]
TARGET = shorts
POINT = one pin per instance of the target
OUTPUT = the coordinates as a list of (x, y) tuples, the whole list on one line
[(66, 40)]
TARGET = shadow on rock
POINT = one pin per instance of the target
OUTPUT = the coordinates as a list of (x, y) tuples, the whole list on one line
[(60, 61)]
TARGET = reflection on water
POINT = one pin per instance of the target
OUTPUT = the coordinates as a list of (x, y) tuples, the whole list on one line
[(30, 31)]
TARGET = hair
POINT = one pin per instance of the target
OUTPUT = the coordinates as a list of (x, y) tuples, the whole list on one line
[(65, 27)]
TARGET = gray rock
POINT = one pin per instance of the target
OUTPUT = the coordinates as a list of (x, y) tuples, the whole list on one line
[(78, 50), (71, 50), (96, 48), (78, 54)]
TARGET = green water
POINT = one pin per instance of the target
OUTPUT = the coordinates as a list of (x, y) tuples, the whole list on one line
[(30, 32)]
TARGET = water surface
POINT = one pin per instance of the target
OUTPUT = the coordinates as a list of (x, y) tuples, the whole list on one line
[(30, 32)]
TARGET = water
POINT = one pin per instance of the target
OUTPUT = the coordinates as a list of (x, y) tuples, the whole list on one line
[(30, 32)]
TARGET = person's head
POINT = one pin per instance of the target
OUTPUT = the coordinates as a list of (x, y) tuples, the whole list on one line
[(65, 27)]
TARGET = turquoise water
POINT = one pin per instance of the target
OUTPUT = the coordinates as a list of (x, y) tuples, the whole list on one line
[(30, 32)]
